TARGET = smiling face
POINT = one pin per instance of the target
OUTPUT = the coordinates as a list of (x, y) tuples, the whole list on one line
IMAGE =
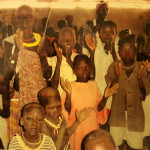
[(24, 17), (82, 71), (32, 120), (67, 36), (107, 34)]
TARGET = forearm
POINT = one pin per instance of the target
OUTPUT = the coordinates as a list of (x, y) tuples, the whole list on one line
[(70, 62), (73, 128), (142, 88), (114, 55), (68, 102), (60, 138), (92, 65), (56, 76), (102, 104)]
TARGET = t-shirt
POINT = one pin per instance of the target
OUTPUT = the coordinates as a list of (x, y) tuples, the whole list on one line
[(17, 143)]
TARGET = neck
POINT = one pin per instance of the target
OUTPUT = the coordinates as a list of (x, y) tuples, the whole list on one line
[(54, 121), (27, 34), (31, 138), (129, 64)]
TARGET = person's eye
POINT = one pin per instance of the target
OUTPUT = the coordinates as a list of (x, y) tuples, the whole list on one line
[(40, 120), (29, 118)]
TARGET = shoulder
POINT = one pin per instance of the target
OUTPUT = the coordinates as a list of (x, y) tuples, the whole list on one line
[(48, 142), (14, 143)]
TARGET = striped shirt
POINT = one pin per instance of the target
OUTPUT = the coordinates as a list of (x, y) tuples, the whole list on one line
[(17, 143)]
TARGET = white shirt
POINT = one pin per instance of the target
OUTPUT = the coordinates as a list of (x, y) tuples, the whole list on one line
[(66, 71)]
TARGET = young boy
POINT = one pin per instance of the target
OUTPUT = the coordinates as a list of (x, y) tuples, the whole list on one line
[(32, 118), (54, 126), (127, 118), (98, 140)]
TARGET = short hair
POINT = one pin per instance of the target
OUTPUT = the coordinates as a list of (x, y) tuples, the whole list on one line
[(79, 58), (98, 135), (44, 93), (62, 23), (108, 23), (67, 29), (25, 6), (127, 39), (29, 106)]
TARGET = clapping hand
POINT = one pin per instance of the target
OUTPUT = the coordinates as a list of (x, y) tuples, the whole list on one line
[(66, 86), (90, 42), (144, 67), (110, 91), (83, 114), (19, 38), (58, 52), (118, 68)]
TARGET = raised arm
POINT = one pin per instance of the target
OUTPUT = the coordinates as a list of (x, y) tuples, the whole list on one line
[(66, 86), (91, 44), (56, 75), (80, 116)]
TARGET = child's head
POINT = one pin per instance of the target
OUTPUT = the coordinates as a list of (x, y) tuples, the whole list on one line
[(108, 31), (127, 49), (98, 140), (32, 116), (49, 98), (67, 35), (24, 17), (101, 9), (82, 68)]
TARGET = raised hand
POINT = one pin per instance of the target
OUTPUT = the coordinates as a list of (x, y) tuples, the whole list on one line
[(83, 114), (66, 86), (147, 65), (141, 72), (68, 52), (19, 38), (110, 91), (58, 52), (90, 42), (118, 68)]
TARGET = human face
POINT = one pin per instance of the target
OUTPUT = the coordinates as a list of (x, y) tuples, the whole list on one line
[(67, 38), (102, 11), (32, 121), (53, 110), (82, 71), (25, 18), (108, 34), (127, 53)]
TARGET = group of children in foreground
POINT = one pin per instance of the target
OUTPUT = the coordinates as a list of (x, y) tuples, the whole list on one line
[(81, 120)]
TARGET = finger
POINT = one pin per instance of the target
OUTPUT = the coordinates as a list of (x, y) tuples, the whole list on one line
[(109, 84)]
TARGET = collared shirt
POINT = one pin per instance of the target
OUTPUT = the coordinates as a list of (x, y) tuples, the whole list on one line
[(127, 86)]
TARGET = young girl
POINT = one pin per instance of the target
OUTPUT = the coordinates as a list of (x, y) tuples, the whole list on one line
[(32, 120), (54, 126), (84, 93)]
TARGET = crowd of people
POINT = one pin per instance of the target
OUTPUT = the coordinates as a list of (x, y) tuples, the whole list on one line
[(79, 89)]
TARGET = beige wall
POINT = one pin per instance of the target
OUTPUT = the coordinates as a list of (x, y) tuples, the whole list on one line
[(133, 19)]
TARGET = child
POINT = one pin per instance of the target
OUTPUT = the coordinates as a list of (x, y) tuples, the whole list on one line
[(84, 93), (127, 119), (53, 126), (98, 140), (63, 69), (32, 117)]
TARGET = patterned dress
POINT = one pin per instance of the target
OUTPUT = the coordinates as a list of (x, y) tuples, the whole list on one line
[(31, 80)]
